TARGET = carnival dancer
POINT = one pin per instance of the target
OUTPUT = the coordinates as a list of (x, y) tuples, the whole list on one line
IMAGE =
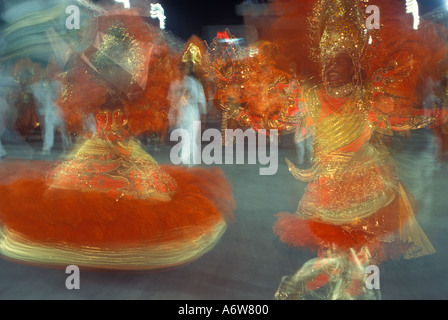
[(355, 212), (110, 205)]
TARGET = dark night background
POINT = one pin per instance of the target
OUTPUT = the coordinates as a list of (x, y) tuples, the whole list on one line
[(186, 17)]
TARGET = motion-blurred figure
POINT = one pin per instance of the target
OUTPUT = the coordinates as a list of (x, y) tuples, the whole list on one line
[(26, 72), (355, 211), (188, 104), (45, 93), (7, 85)]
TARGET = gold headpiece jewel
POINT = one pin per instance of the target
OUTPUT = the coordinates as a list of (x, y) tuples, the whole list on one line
[(119, 58), (193, 55), (340, 27)]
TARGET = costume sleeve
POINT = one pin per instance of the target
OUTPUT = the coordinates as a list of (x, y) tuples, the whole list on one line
[(395, 107), (283, 110), (427, 118), (418, 119)]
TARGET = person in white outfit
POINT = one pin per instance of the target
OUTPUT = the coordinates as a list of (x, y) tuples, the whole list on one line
[(46, 92), (188, 104)]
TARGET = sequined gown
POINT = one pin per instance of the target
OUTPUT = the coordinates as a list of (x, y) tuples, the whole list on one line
[(110, 205), (355, 212), (354, 196)]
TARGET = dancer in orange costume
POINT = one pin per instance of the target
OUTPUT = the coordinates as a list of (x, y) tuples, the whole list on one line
[(26, 72), (110, 205), (355, 212)]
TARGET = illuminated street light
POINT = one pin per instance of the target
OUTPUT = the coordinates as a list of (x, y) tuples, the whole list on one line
[(157, 12), (126, 3), (412, 7)]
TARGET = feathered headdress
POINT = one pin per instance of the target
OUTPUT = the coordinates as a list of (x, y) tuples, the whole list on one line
[(339, 26), (127, 57)]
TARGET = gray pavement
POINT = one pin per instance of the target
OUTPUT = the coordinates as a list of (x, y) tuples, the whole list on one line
[(249, 261)]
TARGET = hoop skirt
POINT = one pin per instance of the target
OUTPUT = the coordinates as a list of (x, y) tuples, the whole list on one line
[(111, 206)]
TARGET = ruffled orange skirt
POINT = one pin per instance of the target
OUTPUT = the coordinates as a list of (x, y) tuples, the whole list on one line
[(54, 226), (390, 233)]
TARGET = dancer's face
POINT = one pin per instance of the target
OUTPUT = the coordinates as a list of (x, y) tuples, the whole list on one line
[(338, 70)]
